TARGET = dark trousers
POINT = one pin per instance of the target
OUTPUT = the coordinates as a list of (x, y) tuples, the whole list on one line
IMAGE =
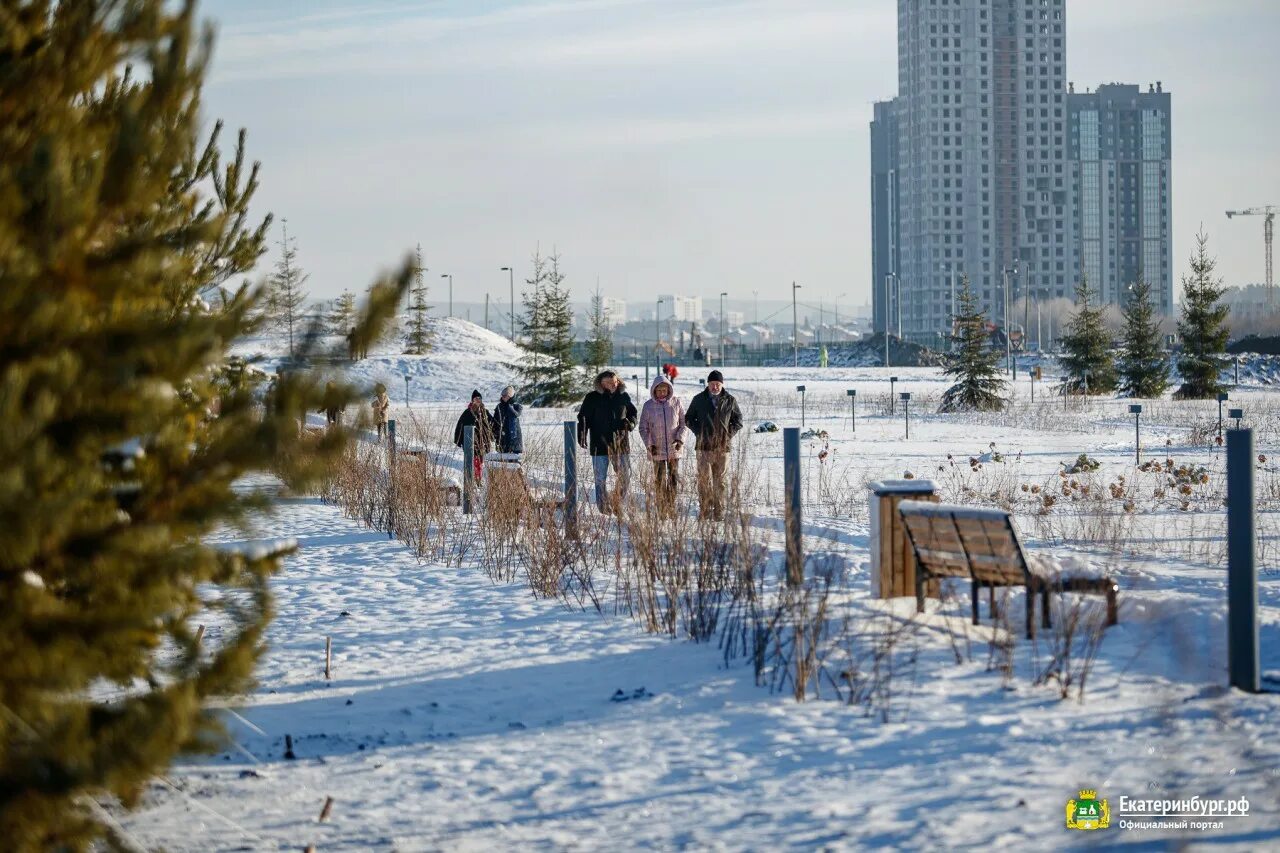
[(666, 478)]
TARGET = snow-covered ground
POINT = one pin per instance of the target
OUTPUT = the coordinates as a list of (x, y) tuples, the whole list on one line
[(464, 714)]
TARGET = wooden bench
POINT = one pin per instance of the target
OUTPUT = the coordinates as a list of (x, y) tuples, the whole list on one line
[(983, 545)]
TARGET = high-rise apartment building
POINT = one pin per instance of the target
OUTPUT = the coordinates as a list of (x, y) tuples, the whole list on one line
[(884, 208), (1118, 144), (982, 184)]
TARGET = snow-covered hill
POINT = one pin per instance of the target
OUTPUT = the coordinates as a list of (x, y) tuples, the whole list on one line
[(463, 357)]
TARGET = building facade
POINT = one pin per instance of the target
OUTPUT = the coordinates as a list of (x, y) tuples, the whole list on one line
[(981, 187), (884, 209), (1119, 144)]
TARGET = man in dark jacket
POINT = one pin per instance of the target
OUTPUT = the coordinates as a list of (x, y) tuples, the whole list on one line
[(605, 419), (506, 418), (714, 417), (482, 442)]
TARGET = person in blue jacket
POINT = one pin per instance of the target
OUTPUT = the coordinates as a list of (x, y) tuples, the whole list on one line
[(506, 417)]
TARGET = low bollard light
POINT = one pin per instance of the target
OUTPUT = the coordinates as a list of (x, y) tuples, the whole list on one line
[(893, 380), (800, 388), (1136, 411), (905, 397), (1237, 415), (853, 409), (1222, 398)]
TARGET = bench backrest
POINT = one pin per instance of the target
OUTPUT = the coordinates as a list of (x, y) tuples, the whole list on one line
[(959, 541)]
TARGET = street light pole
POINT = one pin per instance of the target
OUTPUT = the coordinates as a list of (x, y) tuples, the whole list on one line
[(657, 335), (755, 297), (511, 281), (795, 327), (885, 314), (723, 326), (449, 276)]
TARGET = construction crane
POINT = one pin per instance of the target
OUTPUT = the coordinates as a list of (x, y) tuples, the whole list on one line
[(1268, 212)]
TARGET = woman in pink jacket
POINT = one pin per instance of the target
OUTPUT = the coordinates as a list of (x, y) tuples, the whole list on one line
[(662, 430)]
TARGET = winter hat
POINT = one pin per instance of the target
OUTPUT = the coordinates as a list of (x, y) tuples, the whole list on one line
[(476, 395), (715, 376)]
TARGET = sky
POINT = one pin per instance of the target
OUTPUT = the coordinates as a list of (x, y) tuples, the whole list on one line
[(667, 146)]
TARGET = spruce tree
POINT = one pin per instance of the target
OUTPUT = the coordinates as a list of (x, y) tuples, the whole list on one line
[(418, 338), (342, 314), (973, 362), (600, 346), (117, 470), (1086, 346), (547, 370), (286, 296), (1203, 327), (1143, 368)]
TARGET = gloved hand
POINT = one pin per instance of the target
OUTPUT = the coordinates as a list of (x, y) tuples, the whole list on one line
[(582, 442)]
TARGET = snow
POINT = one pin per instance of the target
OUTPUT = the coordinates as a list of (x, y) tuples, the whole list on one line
[(465, 714)]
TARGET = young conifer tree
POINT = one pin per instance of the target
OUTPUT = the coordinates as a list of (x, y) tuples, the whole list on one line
[(1086, 348), (973, 363), (562, 379), (600, 346), (287, 295), (120, 469), (418, 338), (1203, 327), (1143, 366), (343, 313)]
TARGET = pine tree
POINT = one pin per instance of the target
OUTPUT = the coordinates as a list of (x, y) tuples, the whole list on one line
[(342, 314), (1144, 370), (116, 472), (973, 362), (547, 367), (1203, 327), (1086, 346), (418, 339), (600, 346), (286, 294)]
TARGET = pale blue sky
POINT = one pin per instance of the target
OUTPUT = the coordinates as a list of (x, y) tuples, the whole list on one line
[(686, 146)]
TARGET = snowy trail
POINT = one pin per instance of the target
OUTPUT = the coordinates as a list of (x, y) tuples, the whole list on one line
[(464, 715)]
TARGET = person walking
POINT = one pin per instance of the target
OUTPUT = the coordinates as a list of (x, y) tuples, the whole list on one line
[(506, 419), (714, 417), (662, 430), (476, 416), (331, 404), (381, 404), (605, 420)]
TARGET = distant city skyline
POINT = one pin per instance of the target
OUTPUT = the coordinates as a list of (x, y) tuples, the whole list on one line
[(666, 146)]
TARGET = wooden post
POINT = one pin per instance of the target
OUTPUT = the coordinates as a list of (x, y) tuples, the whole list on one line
[(570, 478), (324, 812), (893, 562), (288, 748), (199, 634), (328, 656), (391, 478), (1242, 567), (791, 490), (468, 466)]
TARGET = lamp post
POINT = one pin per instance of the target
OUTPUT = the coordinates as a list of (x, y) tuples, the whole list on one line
[(905, 397), (853, 409), (1136, 411), (885, 312), (795, 327), (511, 282), (952, 267), (657, 338), (449, 276), (723, 326), (1008, 341), (755, 298), (800, 388)]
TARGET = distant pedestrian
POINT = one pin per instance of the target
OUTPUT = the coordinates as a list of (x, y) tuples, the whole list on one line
[(605, 419), (381, 404), (482, 442), (506, 419), (331, 404), (714, 417), (671, 372), (662, 430), (822, 356)]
